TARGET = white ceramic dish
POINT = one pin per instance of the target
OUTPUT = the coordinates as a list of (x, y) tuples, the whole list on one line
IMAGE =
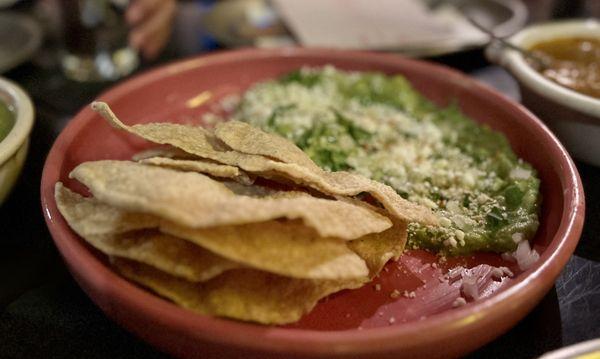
[(13, 148), (574, 117), (238, 23), (585, 350)]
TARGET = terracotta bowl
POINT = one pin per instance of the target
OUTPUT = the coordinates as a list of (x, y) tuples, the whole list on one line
[(366, 322)]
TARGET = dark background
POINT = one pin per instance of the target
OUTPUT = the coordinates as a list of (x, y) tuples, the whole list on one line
[(44, 314)]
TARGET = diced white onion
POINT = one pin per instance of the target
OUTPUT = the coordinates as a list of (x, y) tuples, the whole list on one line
[(525, 256)]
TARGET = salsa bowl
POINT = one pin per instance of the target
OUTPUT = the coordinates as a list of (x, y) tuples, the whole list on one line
[(351, 323), (13, 148), (573, 116)]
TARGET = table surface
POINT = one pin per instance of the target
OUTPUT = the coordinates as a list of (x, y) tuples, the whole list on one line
[(43, 313)]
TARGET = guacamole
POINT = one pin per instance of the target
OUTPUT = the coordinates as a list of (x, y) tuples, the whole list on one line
[(380, 127), (7, 120)]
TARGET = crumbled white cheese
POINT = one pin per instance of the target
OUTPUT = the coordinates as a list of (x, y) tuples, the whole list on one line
[(230, 102), (460, 235), (445, 222), (520, 173), (459, 302), (450, 242), (468, 179), (408, 294), (517, 237), (428, 203)]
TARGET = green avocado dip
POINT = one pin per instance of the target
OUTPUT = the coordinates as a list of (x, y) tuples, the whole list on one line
[(7, 120), (380, 127)]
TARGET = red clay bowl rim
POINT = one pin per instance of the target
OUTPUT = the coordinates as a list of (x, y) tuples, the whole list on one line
[(529, 286)]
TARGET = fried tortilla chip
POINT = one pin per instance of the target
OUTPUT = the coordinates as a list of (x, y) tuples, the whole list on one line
[(163, 151), (87, 216), (194, 140), (253, 190), (339, 183), (200, 142), (117, 233), (170, 254), (377, 249), (242, 294), (194, 200), (286, 248), (201, 166), (245, 138)]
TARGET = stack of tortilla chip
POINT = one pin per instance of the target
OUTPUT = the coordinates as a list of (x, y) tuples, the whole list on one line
[(235, 222)]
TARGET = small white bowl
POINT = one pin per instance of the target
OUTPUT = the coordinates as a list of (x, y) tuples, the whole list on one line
[(574, 117), (589, 349), (13, 148)]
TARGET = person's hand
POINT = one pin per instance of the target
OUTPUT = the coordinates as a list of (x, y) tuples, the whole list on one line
[(151, 22)]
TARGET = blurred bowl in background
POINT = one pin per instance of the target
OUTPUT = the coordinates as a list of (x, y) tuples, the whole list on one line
[(20, 38), (574, 117), (7, 3), (589, 349), (13, 148), (260, 23)]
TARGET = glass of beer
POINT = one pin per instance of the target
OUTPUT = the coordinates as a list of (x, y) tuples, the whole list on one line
[(95, 40)]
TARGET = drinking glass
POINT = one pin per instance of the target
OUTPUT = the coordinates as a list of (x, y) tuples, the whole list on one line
[(95, 40)]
